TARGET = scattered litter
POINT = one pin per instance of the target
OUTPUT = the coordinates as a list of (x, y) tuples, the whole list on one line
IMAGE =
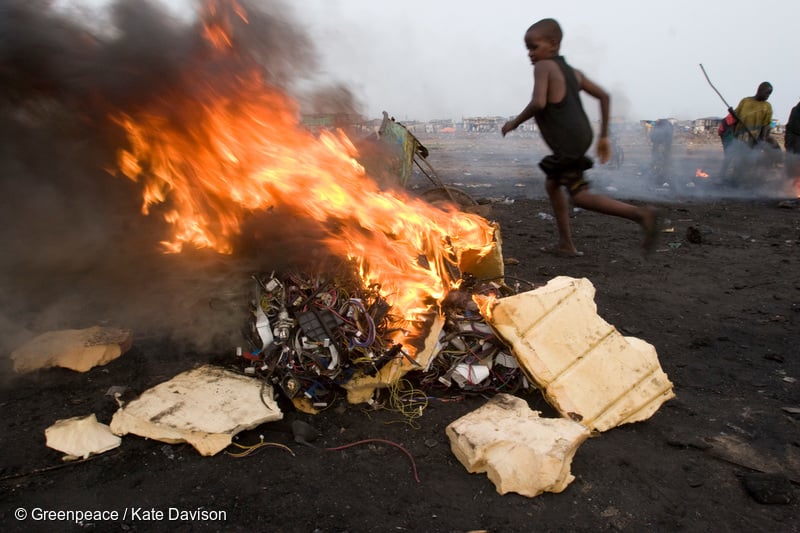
[(465, 375), (116, 391), (545, 216), (249, 449), (380, 441), (205, 407), (76, 349), (81, 436), (519, 451), (693, 235), (168, 452), (120, 394), (586, 368)]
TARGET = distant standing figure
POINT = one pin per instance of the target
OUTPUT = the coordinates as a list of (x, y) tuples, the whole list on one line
[(617, 153), (791, 136), (661, 139), (753, 118), (791, 140), (563, 123), (661, 135)]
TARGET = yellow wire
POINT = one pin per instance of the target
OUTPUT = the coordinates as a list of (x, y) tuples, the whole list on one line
[(401, 401), (250, 448)]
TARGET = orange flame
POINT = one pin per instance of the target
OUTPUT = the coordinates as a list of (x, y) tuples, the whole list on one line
[(232, 144), (700, 173)]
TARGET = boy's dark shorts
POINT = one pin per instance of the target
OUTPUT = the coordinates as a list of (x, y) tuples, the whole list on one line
[(567, 172), (573, 180)]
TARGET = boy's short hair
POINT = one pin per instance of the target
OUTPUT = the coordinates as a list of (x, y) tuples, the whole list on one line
[(549, 27)]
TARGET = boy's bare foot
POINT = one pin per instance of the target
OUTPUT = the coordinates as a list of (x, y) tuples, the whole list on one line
[(650, 227), (560, 252)]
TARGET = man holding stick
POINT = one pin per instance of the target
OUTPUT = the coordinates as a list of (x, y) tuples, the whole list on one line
[(753, 118)]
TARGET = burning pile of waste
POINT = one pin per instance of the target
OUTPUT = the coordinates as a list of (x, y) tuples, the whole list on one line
[(225, 144), (215, 143), (312, 337)]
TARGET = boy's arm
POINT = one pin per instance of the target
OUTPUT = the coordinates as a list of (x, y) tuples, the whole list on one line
[(603, 145), (541, 80)]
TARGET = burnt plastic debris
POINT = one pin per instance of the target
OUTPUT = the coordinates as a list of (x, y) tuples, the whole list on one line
[(310, 335), (318, 324)]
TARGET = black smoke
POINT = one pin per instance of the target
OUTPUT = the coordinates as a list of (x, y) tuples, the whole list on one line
[(77, 250)]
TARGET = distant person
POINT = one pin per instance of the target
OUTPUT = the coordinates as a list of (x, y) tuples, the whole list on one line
[(661, 140), (617, 153), (753, 118), (661, 135), (564, 126), (791, 141)]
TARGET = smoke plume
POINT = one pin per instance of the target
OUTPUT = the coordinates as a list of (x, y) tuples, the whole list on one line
[(77, 250)]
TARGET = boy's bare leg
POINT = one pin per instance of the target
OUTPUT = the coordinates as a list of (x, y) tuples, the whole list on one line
[(644, 216), (560, 204)]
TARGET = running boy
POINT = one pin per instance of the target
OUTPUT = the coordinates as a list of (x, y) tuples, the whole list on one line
[(563, 123)]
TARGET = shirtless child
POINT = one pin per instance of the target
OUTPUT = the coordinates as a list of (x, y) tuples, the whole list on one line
[(563, 123)]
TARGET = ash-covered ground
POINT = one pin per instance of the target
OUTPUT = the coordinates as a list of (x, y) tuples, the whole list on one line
[(721, 311)]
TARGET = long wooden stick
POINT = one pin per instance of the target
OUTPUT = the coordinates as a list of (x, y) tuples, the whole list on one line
[(730, 109), (712, 86)]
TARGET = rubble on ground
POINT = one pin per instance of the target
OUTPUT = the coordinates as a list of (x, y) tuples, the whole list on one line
[(313, 337), (75, 349), (519, 451), (205, 407), (81, 436), (584, 366)]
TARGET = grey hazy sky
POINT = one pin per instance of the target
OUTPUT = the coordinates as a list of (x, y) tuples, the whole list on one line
[(451, 58), (427, 59)]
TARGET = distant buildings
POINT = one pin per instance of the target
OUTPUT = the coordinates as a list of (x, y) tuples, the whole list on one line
[(706, 124), (483, 124), (489, 124)]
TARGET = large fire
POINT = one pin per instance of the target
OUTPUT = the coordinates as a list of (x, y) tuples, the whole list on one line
[(233, 144)]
